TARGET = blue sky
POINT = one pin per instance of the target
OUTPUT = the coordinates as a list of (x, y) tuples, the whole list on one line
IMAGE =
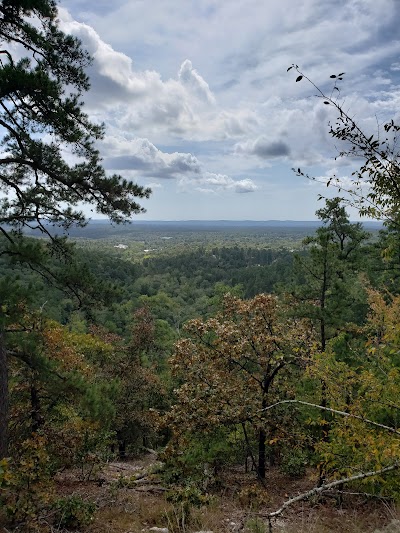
[(198, 103)]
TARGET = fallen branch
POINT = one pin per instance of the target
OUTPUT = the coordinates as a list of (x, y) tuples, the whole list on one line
[(367, 495), (327, 486), (334, 411)]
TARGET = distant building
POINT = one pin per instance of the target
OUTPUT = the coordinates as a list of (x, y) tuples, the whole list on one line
[(121, 246)]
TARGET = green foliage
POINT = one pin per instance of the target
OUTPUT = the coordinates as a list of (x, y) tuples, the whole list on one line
[(5, 475), (294, 462), (253, 496), (28, 492), (255, 525), (184, 499), (378, 154), (327, 287), (42, 80), (189, 496), (203, 457), (73, 512), (232, 365), (93, 452), (35, 99)]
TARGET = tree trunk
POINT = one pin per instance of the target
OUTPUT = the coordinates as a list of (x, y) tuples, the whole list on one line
[(3, 397), (261, 453), (36, 417), (121, 446)]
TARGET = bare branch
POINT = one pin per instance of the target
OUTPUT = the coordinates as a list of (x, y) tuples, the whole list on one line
[(334, 411), (329, 486)]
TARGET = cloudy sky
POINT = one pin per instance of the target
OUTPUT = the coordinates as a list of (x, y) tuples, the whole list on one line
[(199, 105)]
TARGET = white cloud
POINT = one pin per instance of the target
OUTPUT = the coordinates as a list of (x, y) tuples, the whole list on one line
[(143, 157), (210, 182), (192, 80), (139, 158), (206, 83), (247, 185)]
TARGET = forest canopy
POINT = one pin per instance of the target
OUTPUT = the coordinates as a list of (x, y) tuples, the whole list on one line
[(213, 355)]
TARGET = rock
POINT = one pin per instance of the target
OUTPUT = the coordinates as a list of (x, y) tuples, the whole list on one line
[(159, 529)]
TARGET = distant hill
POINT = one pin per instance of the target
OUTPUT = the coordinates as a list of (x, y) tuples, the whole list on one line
[(98, 229), (233, 223)]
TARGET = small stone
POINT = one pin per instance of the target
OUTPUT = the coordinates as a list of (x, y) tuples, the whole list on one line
[(159, 529)]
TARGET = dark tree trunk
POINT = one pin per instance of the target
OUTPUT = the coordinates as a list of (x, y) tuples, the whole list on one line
[(261, 454), (121, 446), (36, 417), (3, 397), (249, 452)]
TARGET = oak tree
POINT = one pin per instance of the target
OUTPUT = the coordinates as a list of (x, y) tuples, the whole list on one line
[(232, 366)]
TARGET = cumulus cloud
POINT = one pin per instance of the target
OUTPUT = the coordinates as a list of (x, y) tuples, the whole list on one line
[(146, 159), (229, 104), (264, 148), (191, 79), (341, 183), (139, 157), (211, 182), (140, 100), (244, 186)]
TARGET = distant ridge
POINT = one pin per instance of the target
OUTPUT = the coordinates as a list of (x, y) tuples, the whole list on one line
[(102, 228), (235, 223)]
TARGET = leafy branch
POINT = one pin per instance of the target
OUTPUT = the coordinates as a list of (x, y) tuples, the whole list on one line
[(380, 168)]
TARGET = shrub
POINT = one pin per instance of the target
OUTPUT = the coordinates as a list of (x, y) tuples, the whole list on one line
[(294, 462), (73, 512), (27, 486)]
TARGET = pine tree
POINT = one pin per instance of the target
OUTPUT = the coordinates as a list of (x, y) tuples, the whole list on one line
[(326, 288), (42, 80)]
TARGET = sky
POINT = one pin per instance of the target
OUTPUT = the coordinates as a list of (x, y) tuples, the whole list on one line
[(198, 104)]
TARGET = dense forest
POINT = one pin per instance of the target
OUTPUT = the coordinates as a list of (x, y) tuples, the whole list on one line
[(178, 378)]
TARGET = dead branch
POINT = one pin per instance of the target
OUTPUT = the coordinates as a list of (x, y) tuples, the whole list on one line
[(328, 486), (334, 411)]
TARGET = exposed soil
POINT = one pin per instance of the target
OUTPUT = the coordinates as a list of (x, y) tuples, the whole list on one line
[(131, 499)]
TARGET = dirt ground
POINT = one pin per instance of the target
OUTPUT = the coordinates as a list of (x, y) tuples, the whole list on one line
[(130, 498)]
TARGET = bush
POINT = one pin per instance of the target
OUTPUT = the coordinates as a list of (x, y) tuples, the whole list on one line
[(27, 486), (184, 499), (255, 525), (294, 462), (73, 512), (204, 457)]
